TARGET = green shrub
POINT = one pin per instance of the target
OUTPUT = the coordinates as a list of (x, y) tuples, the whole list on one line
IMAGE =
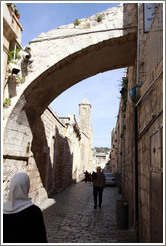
[(7, 102), (16, 10), (13, 61), (76, 22), (11, 55), (99, 18), (20, 80), (124, 93)]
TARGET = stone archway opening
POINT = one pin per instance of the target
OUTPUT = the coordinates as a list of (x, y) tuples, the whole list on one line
[(103, 93)]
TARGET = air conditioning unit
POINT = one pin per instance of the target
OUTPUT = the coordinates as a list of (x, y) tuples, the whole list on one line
[(14, 68)]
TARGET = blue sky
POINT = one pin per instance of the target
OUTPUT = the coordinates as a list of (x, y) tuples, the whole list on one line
[(102, 90)]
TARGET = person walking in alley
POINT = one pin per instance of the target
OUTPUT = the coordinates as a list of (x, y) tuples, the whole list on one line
[(98, 185), (22, 220), (86, 176)]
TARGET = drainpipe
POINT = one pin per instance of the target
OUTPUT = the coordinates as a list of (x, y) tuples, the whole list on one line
[(15, 47), (14, 52), (138, 26), (136, 128)]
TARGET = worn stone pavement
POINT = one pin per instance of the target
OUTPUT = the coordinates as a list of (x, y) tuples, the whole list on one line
[(71, 218)]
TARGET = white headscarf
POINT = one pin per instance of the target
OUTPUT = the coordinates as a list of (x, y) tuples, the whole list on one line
[(18, 194)]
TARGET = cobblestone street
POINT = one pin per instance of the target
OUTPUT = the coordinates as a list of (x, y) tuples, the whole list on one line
[(71, 218)]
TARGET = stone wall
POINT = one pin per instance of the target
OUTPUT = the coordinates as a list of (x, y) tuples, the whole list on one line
[(150, 123), (53, 157), (128, 155), (114, 148), (141, 159)]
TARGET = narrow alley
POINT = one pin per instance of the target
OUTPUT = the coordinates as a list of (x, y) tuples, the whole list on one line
[(70, 217), (122, 110)]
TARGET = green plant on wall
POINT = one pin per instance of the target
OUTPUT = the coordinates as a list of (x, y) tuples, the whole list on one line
[(124, 93), (123, 131), (76, 22), (13, 61), (7, 102), (20, 80), (11, 55), (99, 18), (16, 11)]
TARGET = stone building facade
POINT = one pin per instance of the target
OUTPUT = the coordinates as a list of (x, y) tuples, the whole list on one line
[(59, 149), (62, 154), (139, 131), (100, 159), (12, 31)]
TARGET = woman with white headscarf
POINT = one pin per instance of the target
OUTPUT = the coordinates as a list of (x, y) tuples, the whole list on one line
[(22, 220)]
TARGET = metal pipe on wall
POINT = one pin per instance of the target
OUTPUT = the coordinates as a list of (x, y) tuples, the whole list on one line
[(136, 128)]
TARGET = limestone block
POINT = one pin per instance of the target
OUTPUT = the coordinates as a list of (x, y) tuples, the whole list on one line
[(31, 167), (84, 25), (70, 46)]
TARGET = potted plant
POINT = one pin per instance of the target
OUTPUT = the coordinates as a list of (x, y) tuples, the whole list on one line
[(16, 12)]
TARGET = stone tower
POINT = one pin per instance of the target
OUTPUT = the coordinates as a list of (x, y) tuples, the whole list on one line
[(84, 117), (86, 135)]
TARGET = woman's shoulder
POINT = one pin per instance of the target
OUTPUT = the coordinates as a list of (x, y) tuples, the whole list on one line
[(33, 208)]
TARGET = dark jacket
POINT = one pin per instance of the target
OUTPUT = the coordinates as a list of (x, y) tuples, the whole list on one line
[(100, 180), (26, 226)]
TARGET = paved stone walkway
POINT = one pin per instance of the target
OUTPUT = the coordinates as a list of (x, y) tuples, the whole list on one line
[(71, 218)]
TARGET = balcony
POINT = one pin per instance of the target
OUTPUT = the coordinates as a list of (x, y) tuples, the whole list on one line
[(12, 29)]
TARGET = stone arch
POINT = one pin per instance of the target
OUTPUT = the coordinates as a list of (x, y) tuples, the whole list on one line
[(64, 62), (64, 74)]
